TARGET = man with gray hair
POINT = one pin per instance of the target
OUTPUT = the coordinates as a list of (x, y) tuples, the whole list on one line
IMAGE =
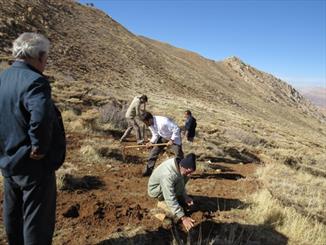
[(32, 144)]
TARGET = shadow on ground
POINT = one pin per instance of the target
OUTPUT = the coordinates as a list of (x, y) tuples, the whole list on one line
[(222, 159), (234, 156), (214, 204), (114, 133), (84, 183), (206, 232), (229, 176), (119, 155), (222, 168), (107, 152)]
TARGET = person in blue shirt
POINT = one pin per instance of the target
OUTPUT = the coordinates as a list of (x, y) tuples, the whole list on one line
[(32, 144), (190, 126)]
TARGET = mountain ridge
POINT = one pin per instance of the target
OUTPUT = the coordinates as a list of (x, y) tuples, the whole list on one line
[(247, 120), (139, 58)]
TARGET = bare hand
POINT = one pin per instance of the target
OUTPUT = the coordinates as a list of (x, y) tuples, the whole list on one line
[(35, 154), (170, 142), (149, 144), (187, 222)]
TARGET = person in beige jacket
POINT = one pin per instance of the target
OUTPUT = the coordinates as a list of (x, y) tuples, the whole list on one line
[(132, 113), (168, 183)]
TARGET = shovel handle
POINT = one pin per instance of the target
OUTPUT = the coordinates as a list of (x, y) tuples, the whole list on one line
[(138, 146)]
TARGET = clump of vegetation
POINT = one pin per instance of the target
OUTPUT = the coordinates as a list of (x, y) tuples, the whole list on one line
[(67, 169), (244, 137), (114, 113), (300, 229), (305, 192)]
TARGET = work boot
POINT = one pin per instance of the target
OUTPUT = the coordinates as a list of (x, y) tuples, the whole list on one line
[(147, 171)]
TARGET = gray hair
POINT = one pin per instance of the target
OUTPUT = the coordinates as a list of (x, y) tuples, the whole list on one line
[(30, 45)]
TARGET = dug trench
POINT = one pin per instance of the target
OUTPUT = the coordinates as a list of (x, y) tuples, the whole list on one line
[(108, 204)]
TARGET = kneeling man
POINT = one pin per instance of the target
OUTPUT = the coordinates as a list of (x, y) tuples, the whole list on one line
[(167, 184)]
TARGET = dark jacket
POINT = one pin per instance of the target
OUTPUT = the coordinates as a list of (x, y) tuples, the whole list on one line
[(190, 126), (28, 117)]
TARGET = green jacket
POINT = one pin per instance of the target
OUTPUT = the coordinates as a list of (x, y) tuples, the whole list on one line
[(167, 182)]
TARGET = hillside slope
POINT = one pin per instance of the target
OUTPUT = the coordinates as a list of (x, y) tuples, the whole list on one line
[(88, 45), (317, 95), (244, 115)]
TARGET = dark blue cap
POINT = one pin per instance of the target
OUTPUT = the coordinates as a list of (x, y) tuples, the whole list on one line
[(189, 161)]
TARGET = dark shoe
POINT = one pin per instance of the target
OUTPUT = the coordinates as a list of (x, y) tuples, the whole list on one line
[(147, 171)]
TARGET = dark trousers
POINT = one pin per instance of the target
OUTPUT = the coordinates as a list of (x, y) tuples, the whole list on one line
[(153, 155), (29, 209)]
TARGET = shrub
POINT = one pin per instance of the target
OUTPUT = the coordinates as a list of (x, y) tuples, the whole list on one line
[(114, 113)]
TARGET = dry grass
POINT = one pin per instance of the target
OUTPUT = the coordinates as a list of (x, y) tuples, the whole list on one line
[(298, 228), (90, 154), (299, 155), (242, 136), (99, 151), (301, 190), (235, 105), (66, 169), (114, 114), (84, 123), (202, 167), (73, 122)]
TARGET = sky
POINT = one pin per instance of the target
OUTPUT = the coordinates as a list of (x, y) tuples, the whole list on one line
[(286, 38)]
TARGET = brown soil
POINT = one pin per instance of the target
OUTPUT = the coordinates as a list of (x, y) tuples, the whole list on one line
[(108, 204)]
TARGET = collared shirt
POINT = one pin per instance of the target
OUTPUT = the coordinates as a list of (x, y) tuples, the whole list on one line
[(166, 128)]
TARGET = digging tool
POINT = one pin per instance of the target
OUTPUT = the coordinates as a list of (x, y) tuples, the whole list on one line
[(144, 126), (6, 58), (142, 146), (123, 148)]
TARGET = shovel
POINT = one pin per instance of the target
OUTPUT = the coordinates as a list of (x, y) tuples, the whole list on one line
[(123, 148)]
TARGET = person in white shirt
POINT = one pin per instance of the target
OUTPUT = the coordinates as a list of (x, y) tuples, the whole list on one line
[(163, 130)]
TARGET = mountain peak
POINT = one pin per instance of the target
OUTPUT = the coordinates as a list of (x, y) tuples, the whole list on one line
[(233, 59)]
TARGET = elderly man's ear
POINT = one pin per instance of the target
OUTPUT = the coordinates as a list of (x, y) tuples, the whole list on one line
[(43, 57)]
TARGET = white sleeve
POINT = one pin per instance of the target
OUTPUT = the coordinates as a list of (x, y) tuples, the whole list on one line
[(155, 135), (175, 130)]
